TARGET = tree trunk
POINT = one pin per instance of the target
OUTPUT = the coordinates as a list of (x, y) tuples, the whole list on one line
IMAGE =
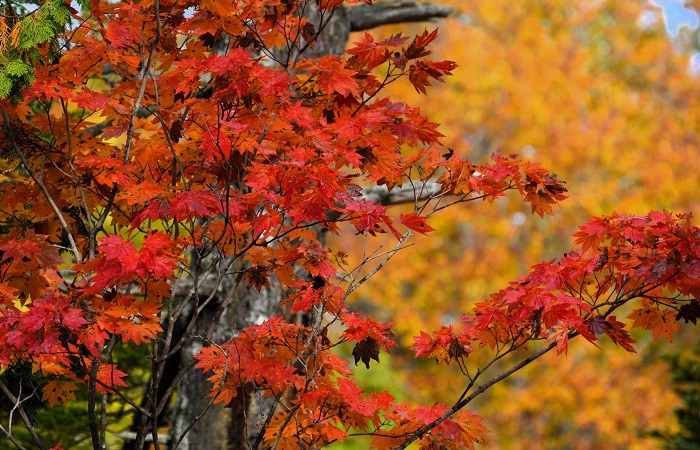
[(232, 305), (196, 423)]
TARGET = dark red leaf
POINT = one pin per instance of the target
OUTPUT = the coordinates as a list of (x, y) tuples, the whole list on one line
[(366, 350)]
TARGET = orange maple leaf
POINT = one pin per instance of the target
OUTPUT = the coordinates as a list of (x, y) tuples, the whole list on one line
[(59, 392)]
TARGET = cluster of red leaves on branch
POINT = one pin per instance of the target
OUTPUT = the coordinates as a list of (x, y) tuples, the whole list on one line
[(326, 402), (208, 138), (652, 260)]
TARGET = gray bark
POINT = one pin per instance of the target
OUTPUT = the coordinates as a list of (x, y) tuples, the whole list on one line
[(364, 17), (237, 427), (406, 193), (195, 423)]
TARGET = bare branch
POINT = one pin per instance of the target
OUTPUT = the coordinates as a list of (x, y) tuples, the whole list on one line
[(42, 186), (480, 390), (131, 436), (92, 415), (406, 193), (8, 434), (25, 418), (364, 17)]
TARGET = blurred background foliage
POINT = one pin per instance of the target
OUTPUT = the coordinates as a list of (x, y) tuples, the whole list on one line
[(603, 94)]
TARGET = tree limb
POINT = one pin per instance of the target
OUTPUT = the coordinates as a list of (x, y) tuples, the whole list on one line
[(42, 186), (406, 193), (480, 390), (25, 418), (364, 17)]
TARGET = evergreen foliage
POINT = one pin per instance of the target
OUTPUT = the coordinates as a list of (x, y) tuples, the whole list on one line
[(686, 377), (31, 40)]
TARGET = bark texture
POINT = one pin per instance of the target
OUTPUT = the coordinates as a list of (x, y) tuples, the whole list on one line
[(364, 17), (221, 306), (196, 423)]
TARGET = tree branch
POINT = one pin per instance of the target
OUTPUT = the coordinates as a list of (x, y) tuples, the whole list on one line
[(42, 186), (480, 390), (364, 17), (25, 418), (406, 193)]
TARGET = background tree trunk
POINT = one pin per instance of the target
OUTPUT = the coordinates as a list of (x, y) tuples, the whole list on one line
[(195, 423)]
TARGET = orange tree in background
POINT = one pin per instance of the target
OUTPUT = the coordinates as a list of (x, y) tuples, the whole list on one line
[(180, 208), (600, 94)]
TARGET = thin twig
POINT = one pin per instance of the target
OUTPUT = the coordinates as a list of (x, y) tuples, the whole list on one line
[(480, 390), (42, 186), (23, 415)]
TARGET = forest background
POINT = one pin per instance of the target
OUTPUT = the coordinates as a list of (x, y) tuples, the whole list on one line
[(605, 94)]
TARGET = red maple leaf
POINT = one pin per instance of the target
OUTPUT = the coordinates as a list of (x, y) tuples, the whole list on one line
[(115, 248), (371, 53), (592, 233), (422, 70), (193, 205), (109, 378), (559, 334), (415, 222), (619, 335), (158, 256), (424, 344)]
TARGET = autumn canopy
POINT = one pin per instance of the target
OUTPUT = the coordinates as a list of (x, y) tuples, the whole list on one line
[(170, 173)]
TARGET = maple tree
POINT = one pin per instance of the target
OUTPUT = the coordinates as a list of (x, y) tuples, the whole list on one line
[(171, 171)]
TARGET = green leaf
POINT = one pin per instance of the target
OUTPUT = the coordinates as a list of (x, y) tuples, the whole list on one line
[(5, 85), (17, 68), (57, 11)]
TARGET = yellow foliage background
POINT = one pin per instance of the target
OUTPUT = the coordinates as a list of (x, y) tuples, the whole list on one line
[(600, 94)]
